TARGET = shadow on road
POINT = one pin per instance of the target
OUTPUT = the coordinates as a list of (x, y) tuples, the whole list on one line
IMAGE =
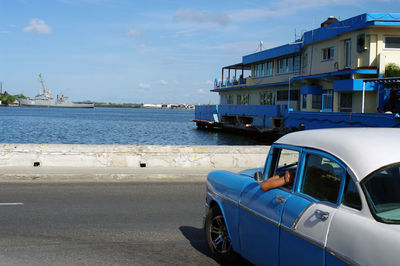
[(197, 240)]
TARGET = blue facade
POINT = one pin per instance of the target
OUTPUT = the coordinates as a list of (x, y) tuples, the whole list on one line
[(272, 53), (205, 112), (354, 85), (311, 89), (351, 24), (263, 114), (315, 120)]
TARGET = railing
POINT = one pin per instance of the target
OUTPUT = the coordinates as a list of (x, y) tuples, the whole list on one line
[(228, 83)]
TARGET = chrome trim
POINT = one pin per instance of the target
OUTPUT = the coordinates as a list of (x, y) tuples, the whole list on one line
[(305, 196), (300, 215), (327, 203), (304, 237), (259, 215), (224, 197), (341, 257)]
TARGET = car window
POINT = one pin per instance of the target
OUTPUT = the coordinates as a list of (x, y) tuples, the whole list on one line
[(287, 159), (351, 197), (383, 193), (322, 178)]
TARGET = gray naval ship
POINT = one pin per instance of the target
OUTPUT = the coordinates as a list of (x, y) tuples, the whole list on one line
[(46, 100)]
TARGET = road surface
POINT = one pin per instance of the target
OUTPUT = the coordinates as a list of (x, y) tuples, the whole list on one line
[(102, 223)]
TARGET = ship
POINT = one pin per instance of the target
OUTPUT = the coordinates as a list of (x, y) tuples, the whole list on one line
[(46, 99)]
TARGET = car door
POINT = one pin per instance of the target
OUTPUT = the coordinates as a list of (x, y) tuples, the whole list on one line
[(260, 212), (319, 186)]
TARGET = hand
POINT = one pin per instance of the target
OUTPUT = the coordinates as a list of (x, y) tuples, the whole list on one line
[(287, 177)]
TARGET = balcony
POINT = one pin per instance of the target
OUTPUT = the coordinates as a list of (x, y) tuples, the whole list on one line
[(219, 84), (230, 81)]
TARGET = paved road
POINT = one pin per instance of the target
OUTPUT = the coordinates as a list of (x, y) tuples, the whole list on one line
[(102, 223)]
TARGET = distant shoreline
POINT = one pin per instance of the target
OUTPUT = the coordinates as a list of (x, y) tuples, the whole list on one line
[(116, 105)]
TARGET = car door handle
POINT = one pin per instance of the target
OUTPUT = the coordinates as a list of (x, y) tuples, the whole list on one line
[(322, 215), (281, 199)]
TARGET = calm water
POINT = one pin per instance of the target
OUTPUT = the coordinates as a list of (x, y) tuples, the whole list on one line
[(108, 126)]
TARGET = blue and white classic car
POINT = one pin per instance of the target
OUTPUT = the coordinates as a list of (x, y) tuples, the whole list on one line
[(342, 208)]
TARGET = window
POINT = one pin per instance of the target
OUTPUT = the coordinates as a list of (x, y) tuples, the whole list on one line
[(282, 160), (327, 101), (347, 53), (289, 64), (242, 99), (304, 101), (351, 197), (392, 42), (327, 53), (267, 98), (322, 178), (316, 102), (382, 191), (229, 99), (270, 68), (296, 64), (346, 102), (283, 95), (264, 69)]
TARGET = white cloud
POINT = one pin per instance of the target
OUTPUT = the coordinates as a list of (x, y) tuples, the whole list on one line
[(163, 82), (202, 91), (38, 26), (135, 32), (144, 86), (239, 47), (141, 46), (198, 16), (283, 7), (171, 59)]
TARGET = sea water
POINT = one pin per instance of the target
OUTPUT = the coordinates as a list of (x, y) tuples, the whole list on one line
[(108, 126)]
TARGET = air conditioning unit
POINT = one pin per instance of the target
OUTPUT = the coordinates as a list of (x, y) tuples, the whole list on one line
[(361, 44)]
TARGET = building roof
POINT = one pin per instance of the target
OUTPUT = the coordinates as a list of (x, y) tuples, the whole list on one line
[(363, 150), (272, 53), (351, 24)]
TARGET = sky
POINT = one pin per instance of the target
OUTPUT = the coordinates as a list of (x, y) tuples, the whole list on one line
[(154, 51)]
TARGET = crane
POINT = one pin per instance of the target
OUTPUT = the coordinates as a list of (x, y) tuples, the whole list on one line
[(41, 81)]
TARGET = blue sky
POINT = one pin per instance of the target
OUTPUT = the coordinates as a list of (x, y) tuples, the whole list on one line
[(148, 51)]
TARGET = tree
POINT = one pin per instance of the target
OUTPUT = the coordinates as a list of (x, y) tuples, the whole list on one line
[(392, 70)]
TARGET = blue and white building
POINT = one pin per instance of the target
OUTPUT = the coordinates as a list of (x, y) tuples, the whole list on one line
[(334, 76)]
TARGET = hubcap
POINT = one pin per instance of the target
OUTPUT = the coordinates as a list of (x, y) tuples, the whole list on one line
[(219, 235)]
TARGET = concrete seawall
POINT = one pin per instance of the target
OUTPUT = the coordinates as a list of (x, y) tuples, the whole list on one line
[(132, 156)]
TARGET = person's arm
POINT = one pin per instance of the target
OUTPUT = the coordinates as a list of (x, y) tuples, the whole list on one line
[(277, 181), (273, 182)]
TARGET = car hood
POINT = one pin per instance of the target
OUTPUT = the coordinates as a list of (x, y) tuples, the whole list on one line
[(250, 172)]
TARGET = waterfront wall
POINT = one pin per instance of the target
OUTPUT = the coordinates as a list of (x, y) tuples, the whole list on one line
[(132, 156)]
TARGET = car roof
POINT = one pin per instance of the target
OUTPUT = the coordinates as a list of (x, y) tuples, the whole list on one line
[(363, 150)]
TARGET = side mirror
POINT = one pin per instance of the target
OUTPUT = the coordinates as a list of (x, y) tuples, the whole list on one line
[(258, 177)]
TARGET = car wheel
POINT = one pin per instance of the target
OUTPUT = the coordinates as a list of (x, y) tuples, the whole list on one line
[(217, 236)]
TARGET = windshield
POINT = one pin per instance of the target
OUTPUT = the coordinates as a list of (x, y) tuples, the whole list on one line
[(383, 193)]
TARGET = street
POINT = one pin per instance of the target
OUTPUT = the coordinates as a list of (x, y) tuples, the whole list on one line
[(103, 223)]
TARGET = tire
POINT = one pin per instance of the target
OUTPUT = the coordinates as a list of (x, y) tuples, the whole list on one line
[(217, 236)]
